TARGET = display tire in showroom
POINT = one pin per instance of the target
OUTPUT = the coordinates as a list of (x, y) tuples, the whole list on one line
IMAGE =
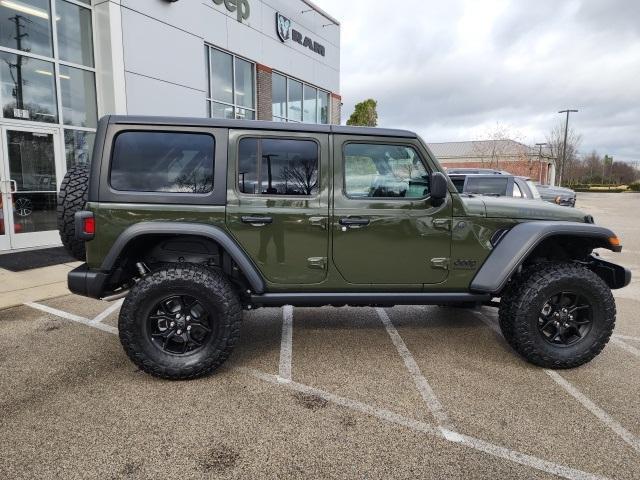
[(71, 199)]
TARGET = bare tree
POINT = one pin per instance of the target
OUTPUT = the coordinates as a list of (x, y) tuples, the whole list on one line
[(555, 139), (494, 146), (302, 175)]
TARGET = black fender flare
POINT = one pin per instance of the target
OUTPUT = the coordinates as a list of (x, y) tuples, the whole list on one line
[(217, 234), (516, 245)]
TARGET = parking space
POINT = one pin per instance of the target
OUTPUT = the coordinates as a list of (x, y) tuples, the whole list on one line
[(404, 392)]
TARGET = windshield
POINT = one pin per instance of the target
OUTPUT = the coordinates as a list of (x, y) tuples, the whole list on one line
[(487, 185), (534, 190)]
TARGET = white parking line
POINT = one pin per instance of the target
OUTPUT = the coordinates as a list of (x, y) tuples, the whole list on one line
[(603, 416), (625, 346), (418, 426), (427, 393), (72, 317), (108, 311), (587, 403), (286, 344), (626, 337)]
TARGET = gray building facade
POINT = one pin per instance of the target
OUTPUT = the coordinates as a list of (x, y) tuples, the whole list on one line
[(68, 62)]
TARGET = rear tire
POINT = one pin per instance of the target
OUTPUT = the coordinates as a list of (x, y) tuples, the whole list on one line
[(71, 199), (158, 319), (557, 315)]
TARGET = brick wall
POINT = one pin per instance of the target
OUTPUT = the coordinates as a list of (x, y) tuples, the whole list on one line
[(520, 168), (265, 90), (336, 109)]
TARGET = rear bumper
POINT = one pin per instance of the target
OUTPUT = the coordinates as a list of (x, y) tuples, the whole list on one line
[(86, 282)]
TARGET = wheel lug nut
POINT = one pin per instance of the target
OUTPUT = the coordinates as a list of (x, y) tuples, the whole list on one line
[(179, 332), (188, 318), (172, 324), (189, 328)]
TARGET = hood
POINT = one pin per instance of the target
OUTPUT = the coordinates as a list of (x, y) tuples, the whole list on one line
[(505, 207)]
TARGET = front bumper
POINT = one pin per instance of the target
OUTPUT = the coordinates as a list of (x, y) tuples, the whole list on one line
[(616, 276), (86, 282)]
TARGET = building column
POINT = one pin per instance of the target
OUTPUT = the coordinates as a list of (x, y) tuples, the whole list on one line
[(265, 92), (336, 109)]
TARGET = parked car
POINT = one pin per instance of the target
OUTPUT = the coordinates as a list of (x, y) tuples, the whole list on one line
[(558, 195), (497, 185), (476, 171), (310, 215)]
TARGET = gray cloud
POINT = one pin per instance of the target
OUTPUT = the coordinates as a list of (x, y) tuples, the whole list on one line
[(451, 69)]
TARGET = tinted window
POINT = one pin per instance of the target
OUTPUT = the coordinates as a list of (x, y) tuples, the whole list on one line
[(384, 171), (167, 162), (516, 191), (486, 185), (278, 167)]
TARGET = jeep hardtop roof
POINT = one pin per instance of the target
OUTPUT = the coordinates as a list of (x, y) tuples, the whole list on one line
[(257, 125)]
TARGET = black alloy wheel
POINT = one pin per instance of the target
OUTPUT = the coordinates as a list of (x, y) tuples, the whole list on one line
[(179, 324), (565, 319)]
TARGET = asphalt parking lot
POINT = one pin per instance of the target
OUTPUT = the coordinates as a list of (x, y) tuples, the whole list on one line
[(405, 392)]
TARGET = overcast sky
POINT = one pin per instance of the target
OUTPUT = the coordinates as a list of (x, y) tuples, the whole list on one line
[(452, 69)]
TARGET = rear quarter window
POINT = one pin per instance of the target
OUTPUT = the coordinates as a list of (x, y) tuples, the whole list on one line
[(163, 162)]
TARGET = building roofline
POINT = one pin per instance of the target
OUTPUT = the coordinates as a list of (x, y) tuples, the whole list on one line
[(321, 12), (257, 125)]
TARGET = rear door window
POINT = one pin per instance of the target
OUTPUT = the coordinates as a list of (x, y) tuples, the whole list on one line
[(163, 162)]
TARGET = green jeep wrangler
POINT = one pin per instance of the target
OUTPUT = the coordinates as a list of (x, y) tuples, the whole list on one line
[(195, 220)]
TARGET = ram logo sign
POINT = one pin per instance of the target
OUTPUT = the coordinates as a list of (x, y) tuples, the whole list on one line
[(286, 32)]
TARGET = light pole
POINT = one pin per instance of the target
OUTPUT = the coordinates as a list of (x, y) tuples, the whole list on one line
[(564, 148), (544, 144)]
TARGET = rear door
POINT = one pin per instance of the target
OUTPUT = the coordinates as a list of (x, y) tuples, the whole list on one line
[(278, 204), (386, 229)]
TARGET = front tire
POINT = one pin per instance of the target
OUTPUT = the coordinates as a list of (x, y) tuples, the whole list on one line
[(180, 322), (557, 315)]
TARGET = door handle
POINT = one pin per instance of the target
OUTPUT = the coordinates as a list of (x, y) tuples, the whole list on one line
[(257, 220), (354, 222), (15, 186)]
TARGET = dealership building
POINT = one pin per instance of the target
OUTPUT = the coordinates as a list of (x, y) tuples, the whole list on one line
[(65, 63)]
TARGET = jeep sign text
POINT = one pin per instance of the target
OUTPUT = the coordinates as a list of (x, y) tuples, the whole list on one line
[(241, 6)]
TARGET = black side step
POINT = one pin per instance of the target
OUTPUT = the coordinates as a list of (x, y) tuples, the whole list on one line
[(364, 299)]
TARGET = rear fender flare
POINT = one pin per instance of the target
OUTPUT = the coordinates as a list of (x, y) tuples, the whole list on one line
[(212, 232)]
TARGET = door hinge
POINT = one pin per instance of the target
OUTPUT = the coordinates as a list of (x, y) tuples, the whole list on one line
[(317, 263), (442, 223), (440, 263)]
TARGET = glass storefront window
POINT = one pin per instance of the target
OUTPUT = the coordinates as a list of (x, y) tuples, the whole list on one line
[(310, 105), (75, 39), (294, 109), (231, 85), (28, 88), (244, 83), (78, 146), (78, 89), (294, 101), (323, 107), (221, 76), (25, 25), (279, 96)]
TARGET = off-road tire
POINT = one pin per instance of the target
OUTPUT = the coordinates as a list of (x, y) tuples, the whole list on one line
[(71, 199), (212, 289), (524, 298)]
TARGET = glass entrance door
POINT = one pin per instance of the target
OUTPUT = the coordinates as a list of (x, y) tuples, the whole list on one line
[(29, 191)]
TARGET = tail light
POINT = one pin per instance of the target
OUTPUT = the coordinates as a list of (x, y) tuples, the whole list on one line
[(85, 223)]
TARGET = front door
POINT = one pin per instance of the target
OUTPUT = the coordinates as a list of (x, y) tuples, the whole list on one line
[(28, 182), (386, 229)]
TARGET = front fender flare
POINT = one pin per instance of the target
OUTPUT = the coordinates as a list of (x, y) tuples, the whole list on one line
[(516, 245), (217, 234)]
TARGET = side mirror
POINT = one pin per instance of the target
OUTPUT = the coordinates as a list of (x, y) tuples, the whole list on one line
[(439, 186)]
